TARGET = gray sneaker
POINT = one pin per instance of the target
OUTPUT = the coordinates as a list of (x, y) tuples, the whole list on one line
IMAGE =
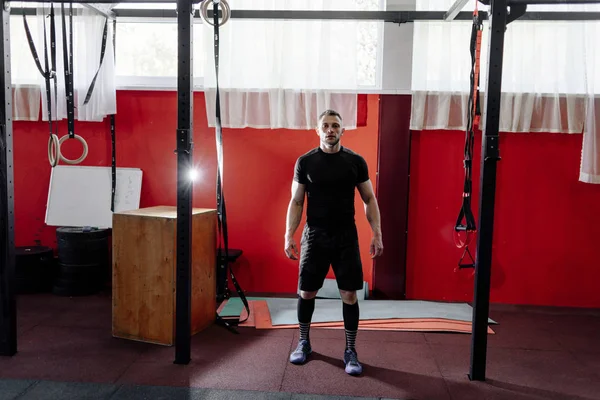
[(301, 353), (353, 367)]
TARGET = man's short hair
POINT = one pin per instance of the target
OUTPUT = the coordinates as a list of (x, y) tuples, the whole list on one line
[(330, 112)]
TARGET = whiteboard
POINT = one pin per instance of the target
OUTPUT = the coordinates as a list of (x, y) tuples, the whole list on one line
[(80, 196)]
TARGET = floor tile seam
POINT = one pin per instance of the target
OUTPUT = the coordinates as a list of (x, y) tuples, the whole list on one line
[(27, 389), (285, 368), (437, 364)]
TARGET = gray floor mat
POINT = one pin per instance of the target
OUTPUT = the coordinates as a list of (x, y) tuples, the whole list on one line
[(330, 290), (283, 311)]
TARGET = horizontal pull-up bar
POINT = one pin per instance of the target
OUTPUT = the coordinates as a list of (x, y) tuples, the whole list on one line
[(393, 16), (386, 16)]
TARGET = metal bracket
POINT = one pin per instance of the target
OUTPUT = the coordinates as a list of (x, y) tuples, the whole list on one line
[(185, 141), (516, 12), (403, 18), (492, 149)]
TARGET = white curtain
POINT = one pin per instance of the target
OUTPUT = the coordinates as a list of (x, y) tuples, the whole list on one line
[(88, 27), (549, 77), (283, 73), (26, 102), (590, 155)]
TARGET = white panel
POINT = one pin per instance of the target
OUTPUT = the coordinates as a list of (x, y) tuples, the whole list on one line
[(80, 196)]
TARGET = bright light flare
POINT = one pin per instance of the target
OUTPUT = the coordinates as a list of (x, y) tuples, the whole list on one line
[(193, 174)]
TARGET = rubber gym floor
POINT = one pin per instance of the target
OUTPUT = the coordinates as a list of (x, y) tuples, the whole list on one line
[(66, 351)]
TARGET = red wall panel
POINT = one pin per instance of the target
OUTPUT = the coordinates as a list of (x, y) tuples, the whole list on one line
[(547, 223), (258, 171), (546, 227)]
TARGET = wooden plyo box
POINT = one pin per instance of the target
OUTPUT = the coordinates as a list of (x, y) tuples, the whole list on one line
[(144, 273)]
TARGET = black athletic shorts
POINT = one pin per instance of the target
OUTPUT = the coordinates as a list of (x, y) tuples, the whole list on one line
[(320, 249)]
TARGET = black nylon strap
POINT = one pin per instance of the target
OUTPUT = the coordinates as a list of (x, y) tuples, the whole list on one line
[(102, 51), (114, 163), (221, 210), (68, 68), (49, 73), (113, 127)]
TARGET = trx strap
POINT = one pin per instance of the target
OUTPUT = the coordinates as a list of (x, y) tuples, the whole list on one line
[(466, 221), (221, 211)]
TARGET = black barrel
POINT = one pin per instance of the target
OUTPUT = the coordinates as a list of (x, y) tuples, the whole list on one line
[(83, 261), (35, 269)]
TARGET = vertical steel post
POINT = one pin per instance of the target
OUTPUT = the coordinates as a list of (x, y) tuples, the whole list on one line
[(184, 183), (487, 191), (8, 305)]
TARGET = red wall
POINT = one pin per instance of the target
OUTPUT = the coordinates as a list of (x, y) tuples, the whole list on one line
[(546, 228), (258, 171), (547, 223)]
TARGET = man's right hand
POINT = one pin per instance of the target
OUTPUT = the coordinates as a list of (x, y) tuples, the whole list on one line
[(291, 249)]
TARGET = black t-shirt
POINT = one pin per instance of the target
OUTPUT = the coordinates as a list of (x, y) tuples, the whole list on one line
[(330, 181)]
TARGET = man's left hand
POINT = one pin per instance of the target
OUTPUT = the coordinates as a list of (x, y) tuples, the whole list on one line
[(376, 246)]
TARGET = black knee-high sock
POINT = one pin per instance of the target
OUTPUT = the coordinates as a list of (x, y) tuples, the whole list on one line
[(351, 317), (305, 312)]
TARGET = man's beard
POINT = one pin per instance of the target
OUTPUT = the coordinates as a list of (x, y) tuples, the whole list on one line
[(331, 144)]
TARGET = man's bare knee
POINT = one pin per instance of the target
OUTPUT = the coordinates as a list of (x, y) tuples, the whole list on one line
[(349, 296), (308, 295)]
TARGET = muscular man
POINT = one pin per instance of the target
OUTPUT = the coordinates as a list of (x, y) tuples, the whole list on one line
[(328, 176)]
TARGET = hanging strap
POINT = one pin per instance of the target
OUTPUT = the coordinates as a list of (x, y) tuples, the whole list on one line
[(114, 163), (466, 221), (102, 51), (113, 128), (221, 210), (68, 68), (49, 71), (476, 33)]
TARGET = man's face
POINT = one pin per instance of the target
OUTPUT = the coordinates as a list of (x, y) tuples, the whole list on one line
[(330, 130)]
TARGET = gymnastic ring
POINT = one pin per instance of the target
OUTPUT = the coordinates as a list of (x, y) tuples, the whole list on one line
[(53, 145), (224, 7), (80, 159)]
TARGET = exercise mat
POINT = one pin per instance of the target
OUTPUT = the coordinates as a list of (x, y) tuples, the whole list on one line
[(330, 290), (234, 306), (283, 311), (260, 319)]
